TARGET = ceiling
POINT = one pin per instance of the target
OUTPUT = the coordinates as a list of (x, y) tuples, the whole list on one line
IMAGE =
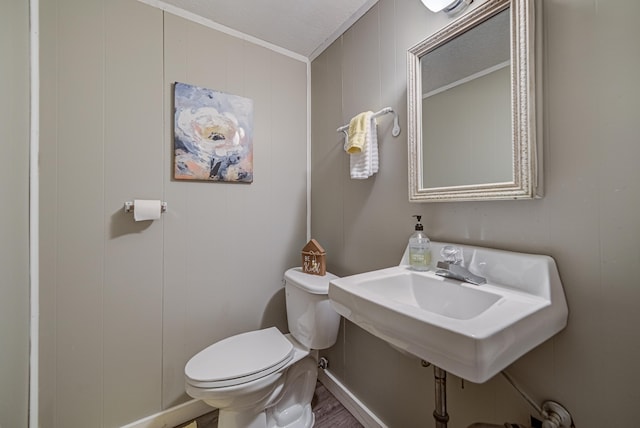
[(304, 27)]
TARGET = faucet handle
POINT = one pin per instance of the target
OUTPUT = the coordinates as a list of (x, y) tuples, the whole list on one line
[(452, 254)]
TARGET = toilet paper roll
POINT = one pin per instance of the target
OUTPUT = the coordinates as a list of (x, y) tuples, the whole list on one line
[(146, 209)]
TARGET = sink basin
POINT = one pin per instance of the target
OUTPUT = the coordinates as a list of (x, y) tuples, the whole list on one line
[(471, 331), (430, 293)]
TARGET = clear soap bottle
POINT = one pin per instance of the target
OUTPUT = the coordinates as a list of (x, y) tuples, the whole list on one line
[(419, 248)]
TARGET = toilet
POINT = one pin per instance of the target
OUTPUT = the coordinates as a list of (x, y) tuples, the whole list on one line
[(263, 378)]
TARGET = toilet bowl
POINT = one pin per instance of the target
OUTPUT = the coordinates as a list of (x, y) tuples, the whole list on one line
[(263, 378)]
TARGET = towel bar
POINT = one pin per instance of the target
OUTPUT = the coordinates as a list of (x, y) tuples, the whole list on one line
[(395, 131)]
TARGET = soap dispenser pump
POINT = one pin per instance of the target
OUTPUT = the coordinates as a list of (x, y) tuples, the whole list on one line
[(419, 248)]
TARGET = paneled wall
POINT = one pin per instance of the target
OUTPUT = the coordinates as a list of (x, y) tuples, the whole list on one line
[(126, 304), (588, 219), (14, 216)]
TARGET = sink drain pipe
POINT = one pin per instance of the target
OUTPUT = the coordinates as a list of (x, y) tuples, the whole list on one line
[(554, 414), (440, 413), (440, 381)]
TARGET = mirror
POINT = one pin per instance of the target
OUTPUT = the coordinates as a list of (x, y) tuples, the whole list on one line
[(471, 108)]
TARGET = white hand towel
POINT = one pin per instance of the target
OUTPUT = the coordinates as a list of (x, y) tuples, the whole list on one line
[(373, 135), (364, 164)]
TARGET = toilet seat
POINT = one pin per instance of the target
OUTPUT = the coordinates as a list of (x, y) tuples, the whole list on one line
[(239, 359)]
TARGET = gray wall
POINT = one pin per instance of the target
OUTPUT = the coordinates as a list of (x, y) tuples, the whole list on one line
[(588, 220), (125, 304), (14, 217)]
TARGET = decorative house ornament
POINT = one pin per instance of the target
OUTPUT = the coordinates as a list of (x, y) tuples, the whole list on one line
[(213, 135), (314, 259)]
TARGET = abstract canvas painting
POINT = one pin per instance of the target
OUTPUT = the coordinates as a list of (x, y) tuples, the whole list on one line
[(213, 135)]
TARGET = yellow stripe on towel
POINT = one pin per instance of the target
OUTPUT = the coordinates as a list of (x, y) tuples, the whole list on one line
[(357, 132)]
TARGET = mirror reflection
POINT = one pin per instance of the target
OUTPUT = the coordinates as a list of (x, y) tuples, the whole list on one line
[(471, 98), (466, 108)]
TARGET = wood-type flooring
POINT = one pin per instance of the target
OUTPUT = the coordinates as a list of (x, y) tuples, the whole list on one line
[(328, 411)]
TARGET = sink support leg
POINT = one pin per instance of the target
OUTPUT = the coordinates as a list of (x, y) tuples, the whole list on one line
[(440, 413)]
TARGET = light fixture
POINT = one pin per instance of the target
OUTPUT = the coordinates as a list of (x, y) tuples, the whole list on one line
[(450, 7)]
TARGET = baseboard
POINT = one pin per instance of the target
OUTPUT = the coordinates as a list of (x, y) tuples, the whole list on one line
[(356, 407), (174, 416)]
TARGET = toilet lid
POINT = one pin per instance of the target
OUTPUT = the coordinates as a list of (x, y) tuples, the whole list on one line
[(239, 359)]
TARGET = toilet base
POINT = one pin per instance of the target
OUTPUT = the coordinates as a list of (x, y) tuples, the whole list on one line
[(286, 405), (300, 417), (246, 419), (293, 408), (296, 416)]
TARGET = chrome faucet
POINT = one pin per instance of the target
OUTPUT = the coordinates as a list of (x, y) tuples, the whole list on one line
[(452, 267)]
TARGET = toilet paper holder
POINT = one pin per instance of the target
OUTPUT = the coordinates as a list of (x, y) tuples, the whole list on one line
[(129, 206)]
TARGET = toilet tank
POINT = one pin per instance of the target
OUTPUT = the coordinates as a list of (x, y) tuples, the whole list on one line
[(312, 320)]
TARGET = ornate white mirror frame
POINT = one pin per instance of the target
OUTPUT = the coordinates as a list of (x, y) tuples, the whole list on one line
[(526, 153)]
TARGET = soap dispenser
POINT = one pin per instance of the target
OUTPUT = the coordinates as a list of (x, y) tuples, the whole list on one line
[(419, 248)]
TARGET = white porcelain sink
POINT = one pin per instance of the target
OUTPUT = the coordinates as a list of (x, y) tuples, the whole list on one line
[(472, 331)]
